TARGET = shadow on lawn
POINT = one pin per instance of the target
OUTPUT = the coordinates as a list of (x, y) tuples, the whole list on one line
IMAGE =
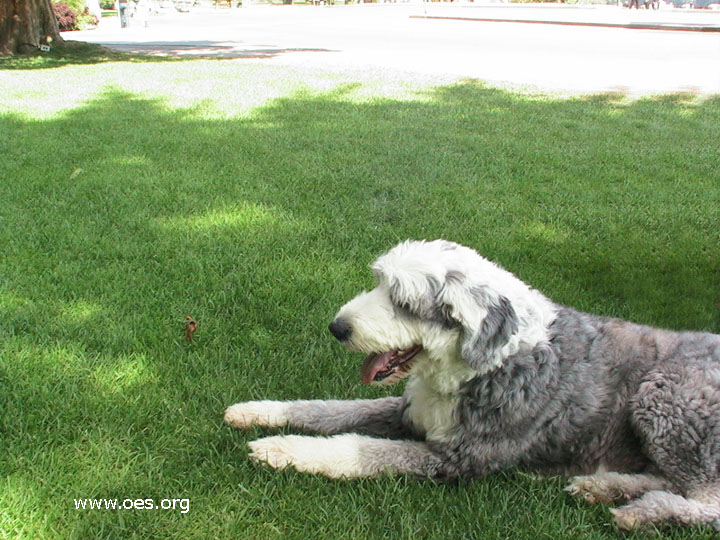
[(219, 50), (260, 226), (80, 53), (73, 53)]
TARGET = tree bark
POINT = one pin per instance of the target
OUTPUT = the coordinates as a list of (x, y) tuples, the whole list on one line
[(27, 24)]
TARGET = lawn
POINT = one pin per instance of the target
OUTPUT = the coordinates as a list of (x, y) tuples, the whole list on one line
[(252, 197)]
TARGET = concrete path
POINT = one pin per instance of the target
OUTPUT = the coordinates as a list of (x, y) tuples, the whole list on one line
[(594, 49)]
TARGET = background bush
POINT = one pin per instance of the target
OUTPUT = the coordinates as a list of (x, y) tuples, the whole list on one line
[(73, 15), (86, 19), (65, 15), (78, 6)]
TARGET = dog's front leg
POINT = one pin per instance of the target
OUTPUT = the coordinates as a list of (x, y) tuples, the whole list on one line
[(381, 417), (348, 455)]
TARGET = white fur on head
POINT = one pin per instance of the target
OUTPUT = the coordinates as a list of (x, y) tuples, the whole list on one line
[(376, 327), (448, 283)]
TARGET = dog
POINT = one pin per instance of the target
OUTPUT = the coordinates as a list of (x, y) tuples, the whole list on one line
[(501, 377)]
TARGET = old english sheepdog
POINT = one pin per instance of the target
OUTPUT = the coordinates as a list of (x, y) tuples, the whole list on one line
[(500, 377)]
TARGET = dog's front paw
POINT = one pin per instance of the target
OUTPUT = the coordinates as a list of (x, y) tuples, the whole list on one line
[(257, 413), (335, 457), (278, 451)]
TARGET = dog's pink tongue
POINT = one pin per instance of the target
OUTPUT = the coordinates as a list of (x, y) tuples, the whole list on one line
[(374, 363)]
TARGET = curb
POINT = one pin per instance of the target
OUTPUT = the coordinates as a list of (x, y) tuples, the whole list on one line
[(630, 26)]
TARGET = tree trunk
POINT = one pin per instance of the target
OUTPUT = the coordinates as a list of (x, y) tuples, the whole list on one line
[(27, 24)]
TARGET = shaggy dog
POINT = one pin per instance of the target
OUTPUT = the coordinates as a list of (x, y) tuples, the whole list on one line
[(499, 377)]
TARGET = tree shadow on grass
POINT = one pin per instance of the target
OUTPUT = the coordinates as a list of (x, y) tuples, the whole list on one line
[(218, 50), (260, 226), (74, 53), (81, 53)]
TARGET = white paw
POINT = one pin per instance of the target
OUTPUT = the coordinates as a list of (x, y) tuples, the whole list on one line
[(257, 413), (335, 457), (625, 520)]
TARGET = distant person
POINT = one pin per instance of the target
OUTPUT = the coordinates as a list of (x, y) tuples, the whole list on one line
[(142, 12)]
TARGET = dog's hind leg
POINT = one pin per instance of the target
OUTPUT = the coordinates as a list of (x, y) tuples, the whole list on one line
[(607, 487), (380, 417), (676, 413), (700, 507)]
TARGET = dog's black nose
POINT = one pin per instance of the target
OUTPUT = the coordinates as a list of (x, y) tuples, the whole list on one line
[(340, 328)]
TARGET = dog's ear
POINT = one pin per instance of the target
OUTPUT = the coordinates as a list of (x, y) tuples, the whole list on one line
[(481, 345), (487, 320)]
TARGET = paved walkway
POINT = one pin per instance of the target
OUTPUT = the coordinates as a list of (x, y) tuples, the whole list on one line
[(574, 50)]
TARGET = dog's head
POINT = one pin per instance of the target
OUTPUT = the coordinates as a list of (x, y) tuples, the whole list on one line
[(439, 301)]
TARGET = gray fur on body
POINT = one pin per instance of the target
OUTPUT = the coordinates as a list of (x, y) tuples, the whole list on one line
[(572, 405), (634, 409)]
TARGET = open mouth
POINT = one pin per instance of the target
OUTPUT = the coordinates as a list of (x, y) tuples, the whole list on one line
[(380, 366)]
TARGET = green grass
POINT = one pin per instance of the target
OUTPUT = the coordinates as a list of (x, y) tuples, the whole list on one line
[(69, 52), (253, 198)]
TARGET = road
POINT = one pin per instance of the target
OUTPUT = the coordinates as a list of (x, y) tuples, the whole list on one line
[(571, 59)]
